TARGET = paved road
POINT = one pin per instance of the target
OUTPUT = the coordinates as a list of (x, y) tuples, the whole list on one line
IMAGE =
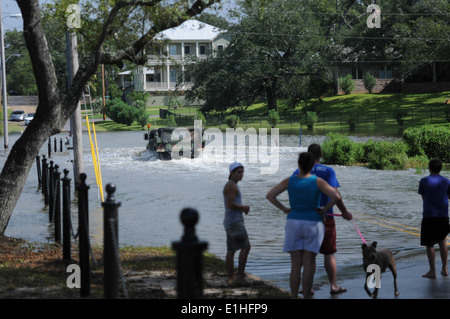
[(410, 283)]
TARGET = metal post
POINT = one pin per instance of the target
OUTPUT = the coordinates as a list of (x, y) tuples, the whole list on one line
[(83, 231), (111, 246), (45, 179), (39, 173), (57, 209), (66, 216), (54, 145), (189, 258), (51, 193), (60, 144), (49, 146)]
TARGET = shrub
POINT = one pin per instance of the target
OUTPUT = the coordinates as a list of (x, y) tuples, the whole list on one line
[(141, 116), (171, 121), (309, 119), (347, 84), (232, 120), (126, 115), (369, 82), (429, 140), (273, 118), (338, 149), (113, 107), (387, 155)]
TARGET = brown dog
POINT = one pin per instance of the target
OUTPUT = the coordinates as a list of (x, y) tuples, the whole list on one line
[(384, 259)]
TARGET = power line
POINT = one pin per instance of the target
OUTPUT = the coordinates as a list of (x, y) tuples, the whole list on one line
[(337, 36)]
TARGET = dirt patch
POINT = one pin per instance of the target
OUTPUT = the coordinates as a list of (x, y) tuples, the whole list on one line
[(36, 270)]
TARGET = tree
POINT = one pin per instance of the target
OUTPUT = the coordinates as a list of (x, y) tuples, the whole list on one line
[(107, 41), (266, 49)]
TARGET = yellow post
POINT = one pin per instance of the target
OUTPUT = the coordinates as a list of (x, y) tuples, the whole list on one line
[(99, 171), (94, 159)]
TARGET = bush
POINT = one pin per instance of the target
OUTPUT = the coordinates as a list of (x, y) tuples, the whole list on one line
[(126, 115), (387, 155), (309, 119), (369, 82), (142, 117), (338, 149), (113, 107), (273, 118), (232, 120), (346, 84), (171, 121), (431, 141)]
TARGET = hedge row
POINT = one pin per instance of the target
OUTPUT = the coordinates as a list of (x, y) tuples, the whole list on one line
[(339, 149), (418, 146)]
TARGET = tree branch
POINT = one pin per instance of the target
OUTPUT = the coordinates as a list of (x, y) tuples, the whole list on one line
[(132, 51)]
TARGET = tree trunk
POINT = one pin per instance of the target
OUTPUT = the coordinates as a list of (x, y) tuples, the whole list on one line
[(271, 94), (52, 111)]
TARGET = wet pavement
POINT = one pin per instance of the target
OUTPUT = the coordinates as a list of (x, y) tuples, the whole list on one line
[(410, 283)]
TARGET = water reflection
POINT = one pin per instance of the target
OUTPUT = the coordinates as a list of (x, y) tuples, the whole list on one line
[(153, 193)]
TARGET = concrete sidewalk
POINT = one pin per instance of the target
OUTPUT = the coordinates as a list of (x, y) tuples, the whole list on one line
[(410, 283)]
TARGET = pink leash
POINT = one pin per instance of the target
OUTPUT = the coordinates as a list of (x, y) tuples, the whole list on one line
[(356, 227)]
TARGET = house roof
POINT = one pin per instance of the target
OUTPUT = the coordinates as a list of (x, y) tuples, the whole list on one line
[(191, 30)]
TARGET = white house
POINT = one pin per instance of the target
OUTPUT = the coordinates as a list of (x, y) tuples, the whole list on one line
[(166, 64)]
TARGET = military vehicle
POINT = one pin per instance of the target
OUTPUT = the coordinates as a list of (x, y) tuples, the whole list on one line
[(161, 143)]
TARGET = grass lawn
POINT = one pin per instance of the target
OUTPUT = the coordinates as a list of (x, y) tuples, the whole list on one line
[(373, 113)]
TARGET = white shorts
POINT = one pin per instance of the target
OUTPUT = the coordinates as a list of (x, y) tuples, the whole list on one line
[(303, 235)]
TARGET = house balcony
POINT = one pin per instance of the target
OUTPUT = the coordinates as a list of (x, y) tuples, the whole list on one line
[(171, 59), (165, 86)]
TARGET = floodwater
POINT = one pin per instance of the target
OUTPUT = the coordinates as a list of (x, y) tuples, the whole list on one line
[(152, 193)]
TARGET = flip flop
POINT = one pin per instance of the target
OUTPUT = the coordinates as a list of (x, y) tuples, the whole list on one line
[(339, 291)]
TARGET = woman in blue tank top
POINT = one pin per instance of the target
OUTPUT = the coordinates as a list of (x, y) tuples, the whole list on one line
[(304, 228)]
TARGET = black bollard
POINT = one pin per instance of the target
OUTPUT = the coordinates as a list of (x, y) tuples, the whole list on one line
[(60, 144), (83, 231), (51, 191), (57, 209), (189, 258), (49, 146), (55, 149), (66, 216), (45, 179), (111, 244), (39, 173)]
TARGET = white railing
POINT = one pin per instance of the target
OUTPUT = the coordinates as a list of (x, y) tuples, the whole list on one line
[(164, 86)]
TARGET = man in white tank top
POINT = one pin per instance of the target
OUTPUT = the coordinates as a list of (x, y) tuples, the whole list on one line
[(237, 237)]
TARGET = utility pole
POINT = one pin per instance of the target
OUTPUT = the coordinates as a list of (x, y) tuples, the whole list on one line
[(103, 90), (75, 119)]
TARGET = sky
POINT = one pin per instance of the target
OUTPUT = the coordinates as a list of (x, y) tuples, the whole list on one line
[(11, 7)]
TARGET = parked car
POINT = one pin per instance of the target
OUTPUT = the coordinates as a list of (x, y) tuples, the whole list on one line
[(28, 118), (18, 115)]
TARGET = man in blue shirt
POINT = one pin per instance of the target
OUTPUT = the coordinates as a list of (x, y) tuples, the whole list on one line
[(435, 191), (328, 248)]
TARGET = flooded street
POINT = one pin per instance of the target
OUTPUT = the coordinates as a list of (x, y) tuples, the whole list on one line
[(152, 193)]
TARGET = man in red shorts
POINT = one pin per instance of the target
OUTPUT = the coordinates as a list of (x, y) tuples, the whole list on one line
[(328, 248)]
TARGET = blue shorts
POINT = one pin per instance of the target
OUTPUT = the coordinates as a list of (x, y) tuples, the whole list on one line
[(303, 235)]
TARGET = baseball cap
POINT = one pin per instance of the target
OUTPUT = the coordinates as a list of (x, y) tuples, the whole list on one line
[(235, 165)]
